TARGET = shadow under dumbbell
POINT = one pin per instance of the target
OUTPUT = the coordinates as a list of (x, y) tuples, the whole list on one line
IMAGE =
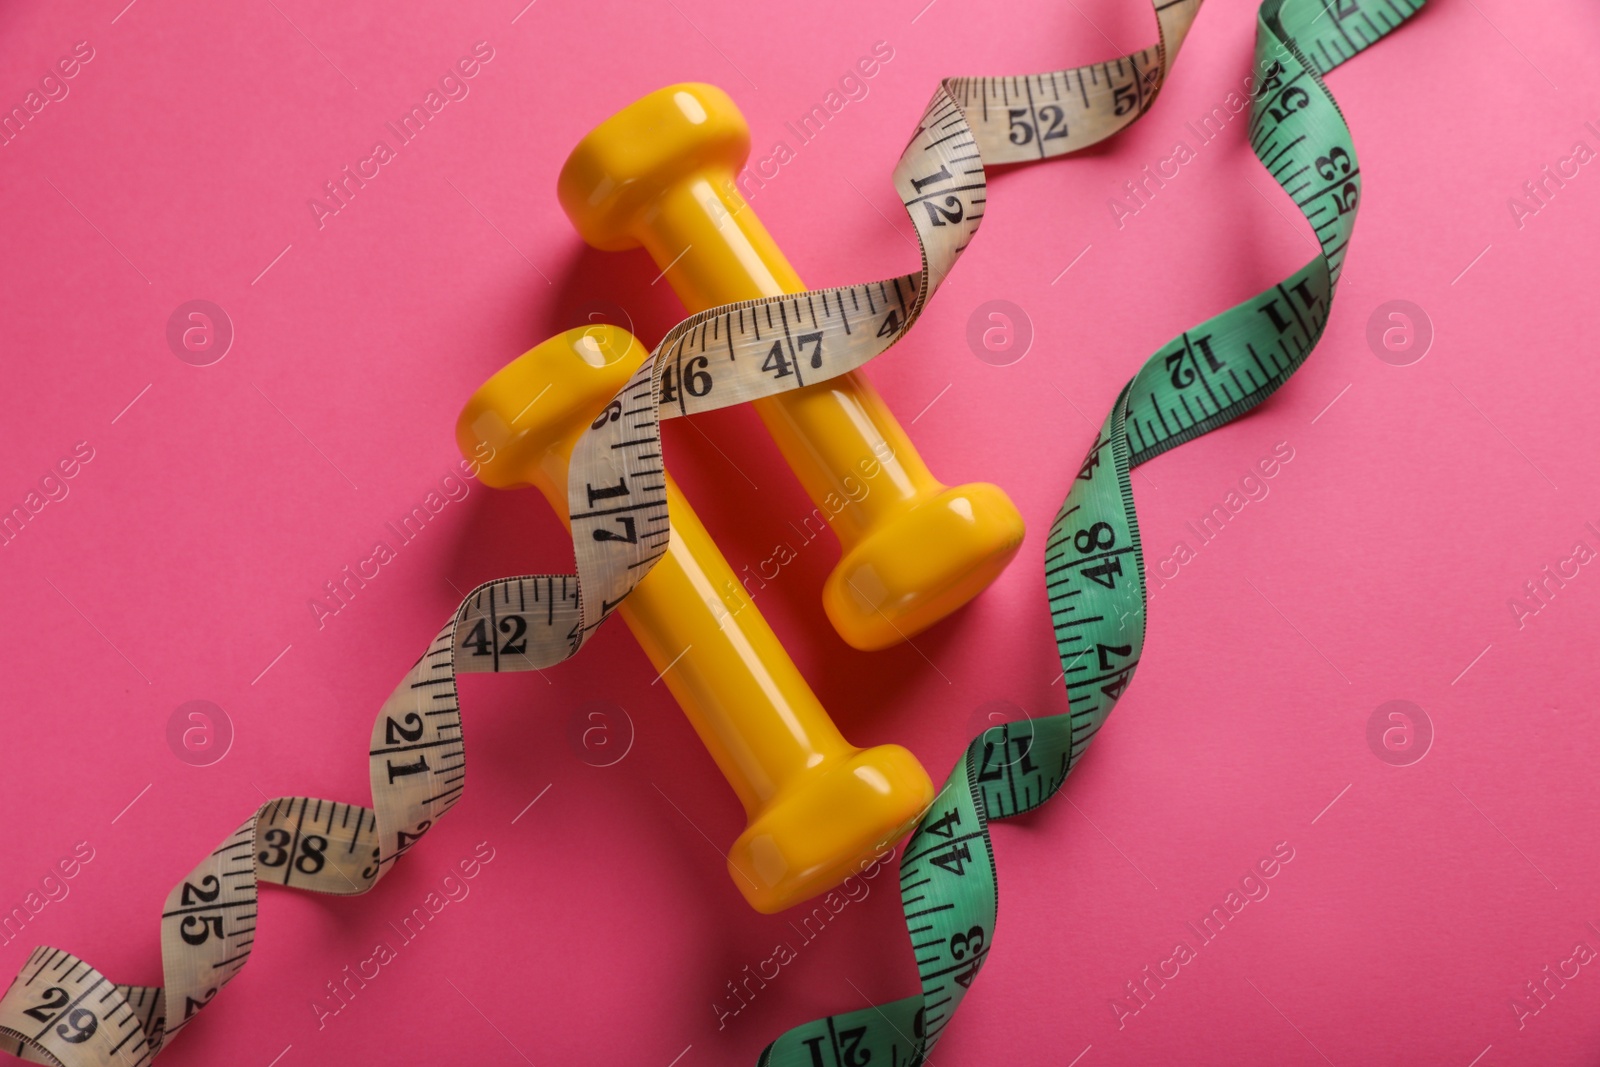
[(594, 287)]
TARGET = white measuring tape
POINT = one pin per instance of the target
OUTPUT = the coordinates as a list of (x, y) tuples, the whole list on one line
[(61, 1009)]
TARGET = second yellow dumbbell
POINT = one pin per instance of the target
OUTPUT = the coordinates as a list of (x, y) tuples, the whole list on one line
[(660, 173)]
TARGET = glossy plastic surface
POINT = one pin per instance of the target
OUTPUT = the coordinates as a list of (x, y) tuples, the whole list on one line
[(659, 173), (818, 808)]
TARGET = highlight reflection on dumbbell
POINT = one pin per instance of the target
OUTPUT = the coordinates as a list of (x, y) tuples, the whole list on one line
[(659, 173), (817, 806)]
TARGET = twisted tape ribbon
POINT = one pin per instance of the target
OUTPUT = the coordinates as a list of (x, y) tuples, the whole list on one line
[(1094, 566)]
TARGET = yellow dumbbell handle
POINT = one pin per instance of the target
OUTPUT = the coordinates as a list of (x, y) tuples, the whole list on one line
[(826, 431)]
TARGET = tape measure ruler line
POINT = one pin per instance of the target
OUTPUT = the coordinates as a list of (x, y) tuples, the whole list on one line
[(59, 1009)]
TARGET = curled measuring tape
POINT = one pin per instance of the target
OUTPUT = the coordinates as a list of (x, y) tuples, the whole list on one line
[(1094, 565), (59, 1009)]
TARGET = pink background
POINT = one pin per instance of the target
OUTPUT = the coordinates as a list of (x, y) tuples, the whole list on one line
[(1415, 907)]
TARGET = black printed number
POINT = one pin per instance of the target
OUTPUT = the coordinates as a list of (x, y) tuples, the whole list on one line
[(941, 175), (1290, 100), (1090, 540), (309, 858), (80, 1023), (79, 1026), (1271, 78), (953, 860), (969, 943), (696, 380), (515, 627), (198, 929), (407, 840), (992, 767), (404, 730), (405, 770), (1053, 121), (191, 1005), (204, 893), (1105, 573), (1106, 651), (276, 854), (777, 363), (1335, 163), (55, 998), (512, 626), (850, 1044), (477, 640), (1182, 373), (607, 492), (815, 340), (629, 534), (1021, 130), (847, 1050), (1090, 464), (948, 212)]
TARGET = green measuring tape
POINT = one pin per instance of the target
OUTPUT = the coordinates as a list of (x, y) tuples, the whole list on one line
[(1094, 565)]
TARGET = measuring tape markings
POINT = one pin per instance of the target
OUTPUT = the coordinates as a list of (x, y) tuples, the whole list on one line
[(617, 503), (1202, 379)]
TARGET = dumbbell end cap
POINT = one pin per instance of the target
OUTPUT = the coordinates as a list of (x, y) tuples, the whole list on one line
[(922, 566), (631, 158), (830, 825), (541, 401)]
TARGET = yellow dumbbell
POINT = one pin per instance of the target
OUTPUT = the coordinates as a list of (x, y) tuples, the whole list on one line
[(659, 173), (818, 808)]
